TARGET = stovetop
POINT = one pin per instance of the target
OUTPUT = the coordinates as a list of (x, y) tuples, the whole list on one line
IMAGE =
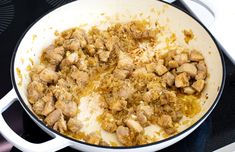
[(16, 15)]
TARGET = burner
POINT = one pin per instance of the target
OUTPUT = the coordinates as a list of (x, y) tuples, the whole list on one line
[(6, 14), (57, 3)]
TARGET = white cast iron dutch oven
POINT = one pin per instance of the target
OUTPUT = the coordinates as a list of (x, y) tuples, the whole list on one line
[(88, 13)]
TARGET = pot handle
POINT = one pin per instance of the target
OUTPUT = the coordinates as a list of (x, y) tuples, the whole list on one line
[(222, 28), (54, 144)]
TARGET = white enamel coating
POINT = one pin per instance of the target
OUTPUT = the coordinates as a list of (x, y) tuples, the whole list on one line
[(223, 25), (52, 145), (86, 13)]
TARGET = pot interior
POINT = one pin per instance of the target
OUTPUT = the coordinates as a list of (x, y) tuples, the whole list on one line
[(88, 13)]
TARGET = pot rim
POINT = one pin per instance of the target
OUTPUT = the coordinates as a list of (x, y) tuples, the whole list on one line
[(121, 147)]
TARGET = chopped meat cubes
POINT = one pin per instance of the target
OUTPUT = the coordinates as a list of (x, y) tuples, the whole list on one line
[(173, 64), (161, 69), (69, 60), (118, 105), (188, 68), (72, 44), (80, 77), (60, 125), (135, 125), (69, 108), (198, 85), (169, 78), (181, 58), (195, 56), (120, 74), (182, 80), (74, 125), (103, 55), (53, 55), (53, 117), (80, 36), (35, 91), (125, 62), (189, 90), (38, 107), (47, 75), (123, 134), (201, 75), (165, 121)]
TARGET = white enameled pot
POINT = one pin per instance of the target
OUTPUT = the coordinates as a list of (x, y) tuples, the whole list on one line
[(87, 13)]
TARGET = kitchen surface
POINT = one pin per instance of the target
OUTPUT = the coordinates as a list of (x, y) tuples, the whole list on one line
[(217, 130)]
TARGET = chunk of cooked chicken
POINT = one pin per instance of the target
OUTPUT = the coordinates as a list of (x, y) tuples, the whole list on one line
[(201, 66), (167, 97), (181, 58), (150, 67), (93, 138), (81, 36), (69, 60), (199, 85), (48, 76), (165, 121), (142, 119), (34, 73), (80, 77), (99, 43), (195, 56), (139, 72), (53, 55), (151, 95), (188, 90), (160, 69), (126, 91), (182, 80), (173, 64), (169, 78), (35, 91), (202, 71), (145, 109), (120, 74), (201, 75), (118, 105), (108, 123), (74, 125), (125, 62), (53, 117), (38, 107), (61, 93), (135, 125), (112, 43), (50, 104), (68, 108), (60, 125), (90, 48), (188, 68), (72, 45), (103, 55), (123, 134)]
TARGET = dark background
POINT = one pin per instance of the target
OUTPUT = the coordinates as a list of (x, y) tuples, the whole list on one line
[(16, 15)]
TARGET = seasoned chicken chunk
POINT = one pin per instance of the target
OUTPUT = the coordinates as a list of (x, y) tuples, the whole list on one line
[(74, 125), (188, 68), (53, 117), (118, 105), (195, 56), (38, 107), (201, 75), (198, 85), (108, 123), (160, 69), (35, 91), (125, 62), (165, 121), (50, 104), (123, 134), (47, 75), (81, 36), (169, 78), (135, 125), (181, 58), (69, 60), (103, 55), (68, 108), (189, 90), (34, 73), (53, 55), (182, 80), (80, 77), (146, 110), (93, 138), (126, 91), (72, 45), (120, 74), (60, 125), (173, 64), (151, 95)]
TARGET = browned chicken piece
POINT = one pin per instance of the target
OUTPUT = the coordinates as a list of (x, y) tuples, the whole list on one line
[(53, 117), (68, 108), (201, 75), (72, 45), (135, 125), (118, 105), (38, 107), (120, 74), (150, 67), (173, 64), (149, 34), (50, 104), (69, 60), (146, 110), (60, 125), (188, 68), (170, 131), (108, 123), (181, 58), (93, 138), (81, 36), (165, 121), (61, 93), (199, 85), (53, 55), (34, 72), (125, 62), (201, 66), (151, 95), (182, 80), (80, 77), (126, 91), (112, 43), (139, 72), (35, 91), (103, 55), (74, 125), (99, 44), (176, 116), (90, 48), (195, 56), (142, 119), (188, 90), (160, 69), (169, 78), (48, 76), (123, 135)]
